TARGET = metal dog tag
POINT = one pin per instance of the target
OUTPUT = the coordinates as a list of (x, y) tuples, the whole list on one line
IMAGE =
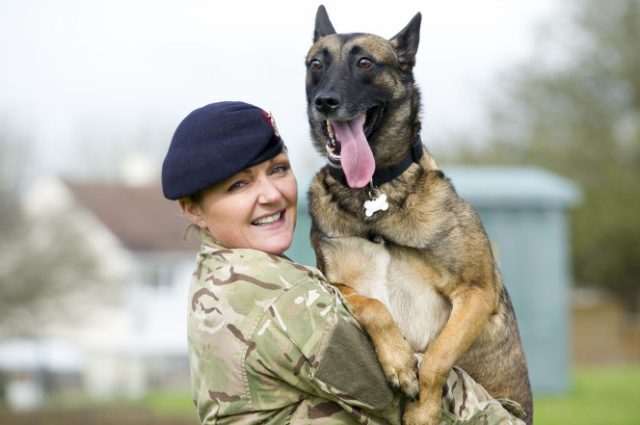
[(377, 202)]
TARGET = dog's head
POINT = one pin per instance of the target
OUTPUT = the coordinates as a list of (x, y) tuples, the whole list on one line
[(362, 102)]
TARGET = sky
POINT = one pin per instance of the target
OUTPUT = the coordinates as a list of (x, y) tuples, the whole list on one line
[(85, 83)]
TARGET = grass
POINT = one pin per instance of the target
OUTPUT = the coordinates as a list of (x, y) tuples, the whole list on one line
[(157, 408), (599, 396), (168, 403)]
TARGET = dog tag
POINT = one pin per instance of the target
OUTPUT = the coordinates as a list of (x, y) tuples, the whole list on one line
[(374, 205), (377, 201)]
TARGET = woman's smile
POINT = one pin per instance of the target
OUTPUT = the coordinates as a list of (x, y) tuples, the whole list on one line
[(274, 220)]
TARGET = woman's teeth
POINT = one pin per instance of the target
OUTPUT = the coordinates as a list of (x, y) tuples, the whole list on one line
[(268, 219)]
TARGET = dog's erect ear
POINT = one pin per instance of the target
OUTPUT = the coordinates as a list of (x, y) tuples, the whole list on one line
[(323, 24), (406, 42)]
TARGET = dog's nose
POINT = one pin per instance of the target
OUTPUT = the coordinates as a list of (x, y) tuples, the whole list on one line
[(326, 102)]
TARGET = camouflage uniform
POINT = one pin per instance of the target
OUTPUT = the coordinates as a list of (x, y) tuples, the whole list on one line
[(271, 342)]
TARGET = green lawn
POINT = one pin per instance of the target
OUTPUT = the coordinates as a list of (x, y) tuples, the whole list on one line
[(170, 404), (599, 396)]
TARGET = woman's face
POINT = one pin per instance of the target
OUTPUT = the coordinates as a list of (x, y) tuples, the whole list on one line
[(255, 208)]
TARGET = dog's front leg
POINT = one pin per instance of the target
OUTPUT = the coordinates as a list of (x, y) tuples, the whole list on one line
[(393, 351), (357, 267), (471, 308)]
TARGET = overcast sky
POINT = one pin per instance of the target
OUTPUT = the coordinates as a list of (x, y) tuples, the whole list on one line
[(89, 80)]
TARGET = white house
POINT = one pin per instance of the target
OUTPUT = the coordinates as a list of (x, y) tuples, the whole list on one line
[(139, 341)]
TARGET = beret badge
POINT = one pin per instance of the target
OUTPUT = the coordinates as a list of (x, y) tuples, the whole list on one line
[(272, 122)]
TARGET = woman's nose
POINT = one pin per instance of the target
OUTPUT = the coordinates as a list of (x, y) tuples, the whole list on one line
[(268, 192)]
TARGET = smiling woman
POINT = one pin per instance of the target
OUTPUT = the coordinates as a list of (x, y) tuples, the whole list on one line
[(269, 340)]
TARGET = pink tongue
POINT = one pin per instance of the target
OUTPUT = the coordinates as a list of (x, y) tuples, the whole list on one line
[(356, 157)]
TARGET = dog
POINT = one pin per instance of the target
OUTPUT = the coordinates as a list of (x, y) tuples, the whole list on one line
[(410, 257)]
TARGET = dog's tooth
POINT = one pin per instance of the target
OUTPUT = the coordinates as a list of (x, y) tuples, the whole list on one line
[(329, 150), (330, 131)]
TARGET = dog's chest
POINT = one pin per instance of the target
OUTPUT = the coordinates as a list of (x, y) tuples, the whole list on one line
[(405, 287)]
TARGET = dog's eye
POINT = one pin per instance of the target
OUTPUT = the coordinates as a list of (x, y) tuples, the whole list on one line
[(315, 65), (365, 63)]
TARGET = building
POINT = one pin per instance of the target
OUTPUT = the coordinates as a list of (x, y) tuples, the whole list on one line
[(134, 337)]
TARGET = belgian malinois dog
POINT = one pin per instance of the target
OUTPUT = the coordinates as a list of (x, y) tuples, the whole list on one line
[(410, 257)]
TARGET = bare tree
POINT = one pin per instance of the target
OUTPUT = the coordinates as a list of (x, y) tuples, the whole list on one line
[(47, 269)]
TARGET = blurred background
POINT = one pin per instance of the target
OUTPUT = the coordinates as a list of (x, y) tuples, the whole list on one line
[(532, 109)]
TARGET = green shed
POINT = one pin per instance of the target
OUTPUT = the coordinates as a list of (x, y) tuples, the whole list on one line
[(525, 211)]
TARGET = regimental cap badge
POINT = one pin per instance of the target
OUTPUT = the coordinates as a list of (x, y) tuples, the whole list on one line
[(272, 122), (273, 125)]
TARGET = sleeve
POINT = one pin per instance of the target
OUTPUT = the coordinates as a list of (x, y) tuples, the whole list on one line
[(308, 339), (465, 400)]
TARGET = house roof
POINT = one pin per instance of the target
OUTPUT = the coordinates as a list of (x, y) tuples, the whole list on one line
[(139, 216)]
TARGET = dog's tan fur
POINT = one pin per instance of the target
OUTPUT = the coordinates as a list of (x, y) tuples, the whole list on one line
[(419, 277)]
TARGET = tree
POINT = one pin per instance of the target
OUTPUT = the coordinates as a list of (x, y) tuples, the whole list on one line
[(46, 268), (574, 108)]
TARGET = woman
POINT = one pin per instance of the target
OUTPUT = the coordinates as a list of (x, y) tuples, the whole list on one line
[(270, 341)]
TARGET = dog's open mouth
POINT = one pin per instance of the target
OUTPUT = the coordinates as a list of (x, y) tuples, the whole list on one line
[(348, 145), (372, 118)]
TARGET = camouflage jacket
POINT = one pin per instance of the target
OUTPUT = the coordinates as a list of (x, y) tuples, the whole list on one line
[(271, 342)]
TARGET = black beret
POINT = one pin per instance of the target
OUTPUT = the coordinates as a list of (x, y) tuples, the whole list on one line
[(215, 142)]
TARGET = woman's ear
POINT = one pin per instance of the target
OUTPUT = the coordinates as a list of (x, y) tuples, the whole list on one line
[(192, 211)]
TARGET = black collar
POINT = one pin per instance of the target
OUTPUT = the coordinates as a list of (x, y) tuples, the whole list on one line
[(384, 175)]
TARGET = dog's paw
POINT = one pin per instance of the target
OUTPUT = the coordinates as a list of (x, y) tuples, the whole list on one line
[(401, 370), (425, 413)]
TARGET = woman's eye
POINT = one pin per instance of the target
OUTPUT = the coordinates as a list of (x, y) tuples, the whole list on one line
[(365, 63), (279, 169), (237, 186), (315, 65)]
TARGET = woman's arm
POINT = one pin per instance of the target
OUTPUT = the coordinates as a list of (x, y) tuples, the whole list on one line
[(308, 339)]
